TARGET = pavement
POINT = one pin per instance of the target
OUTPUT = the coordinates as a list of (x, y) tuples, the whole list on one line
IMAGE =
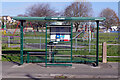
[(38, 70)]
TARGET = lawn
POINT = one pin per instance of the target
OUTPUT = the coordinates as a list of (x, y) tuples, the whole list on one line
[(110, 38)]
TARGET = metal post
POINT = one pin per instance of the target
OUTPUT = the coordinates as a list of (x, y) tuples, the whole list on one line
[(97, 44), (28, 57), (84, 32), (75, 44), (89, 37), (87, 33), (52, 57), (50, 51), (0, 43), (40, 42), (21, 42), (71, 41), (8, 41), (46, 47)]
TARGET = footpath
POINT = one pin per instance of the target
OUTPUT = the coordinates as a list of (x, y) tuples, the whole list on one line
[(38, 70)]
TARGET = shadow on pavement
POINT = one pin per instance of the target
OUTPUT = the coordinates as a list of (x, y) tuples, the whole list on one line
[(31, 77), (10, 60), (41, 65)]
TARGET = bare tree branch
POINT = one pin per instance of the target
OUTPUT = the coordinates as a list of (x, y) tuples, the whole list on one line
[(40, 10), (111, 18), (78, 9)]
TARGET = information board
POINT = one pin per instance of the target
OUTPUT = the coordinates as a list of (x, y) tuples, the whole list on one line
[(60, 33)]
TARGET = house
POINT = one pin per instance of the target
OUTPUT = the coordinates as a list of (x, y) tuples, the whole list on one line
[(102, 29), (7, 19), (114, 28)]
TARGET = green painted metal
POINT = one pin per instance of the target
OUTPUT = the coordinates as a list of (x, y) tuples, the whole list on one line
[(80, 61), (22, 19), (97, 45), (28, 57), (29, 18), (21, 43), (61, 18), (88, 18), (5, 27), (46, 47), (37, 61), (43, 61), (46, 63), (2, 26), (71, 41), (59, 64), (53, 57)]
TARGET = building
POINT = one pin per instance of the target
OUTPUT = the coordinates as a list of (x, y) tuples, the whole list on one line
[(7, 19), (102, 29), (114, 28)]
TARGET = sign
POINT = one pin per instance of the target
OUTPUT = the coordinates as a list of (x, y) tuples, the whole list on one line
[(60, 33), (60, 37)]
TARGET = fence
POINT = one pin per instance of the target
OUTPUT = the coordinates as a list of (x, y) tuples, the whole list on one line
[(38, 43), (10, 41)]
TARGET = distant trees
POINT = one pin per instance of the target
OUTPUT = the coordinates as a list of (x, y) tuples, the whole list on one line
[(40, 10), (78, 9), (22, 15), (111, 18)]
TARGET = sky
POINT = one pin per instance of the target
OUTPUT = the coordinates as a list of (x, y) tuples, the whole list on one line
[(16, 8)]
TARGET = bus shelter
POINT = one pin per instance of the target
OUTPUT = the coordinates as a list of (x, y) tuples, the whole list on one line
[(58, 34)]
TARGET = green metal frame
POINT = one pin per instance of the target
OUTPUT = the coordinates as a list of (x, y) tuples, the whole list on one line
[(46, 47), (53, 64), (21, 42), (72, 19), (97, 44), (71, 40), (61, 18), (28, 57)]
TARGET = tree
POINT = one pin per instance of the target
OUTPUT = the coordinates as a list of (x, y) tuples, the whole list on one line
[(40, 10), (21, 15), (78, 9), (111, 18)]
